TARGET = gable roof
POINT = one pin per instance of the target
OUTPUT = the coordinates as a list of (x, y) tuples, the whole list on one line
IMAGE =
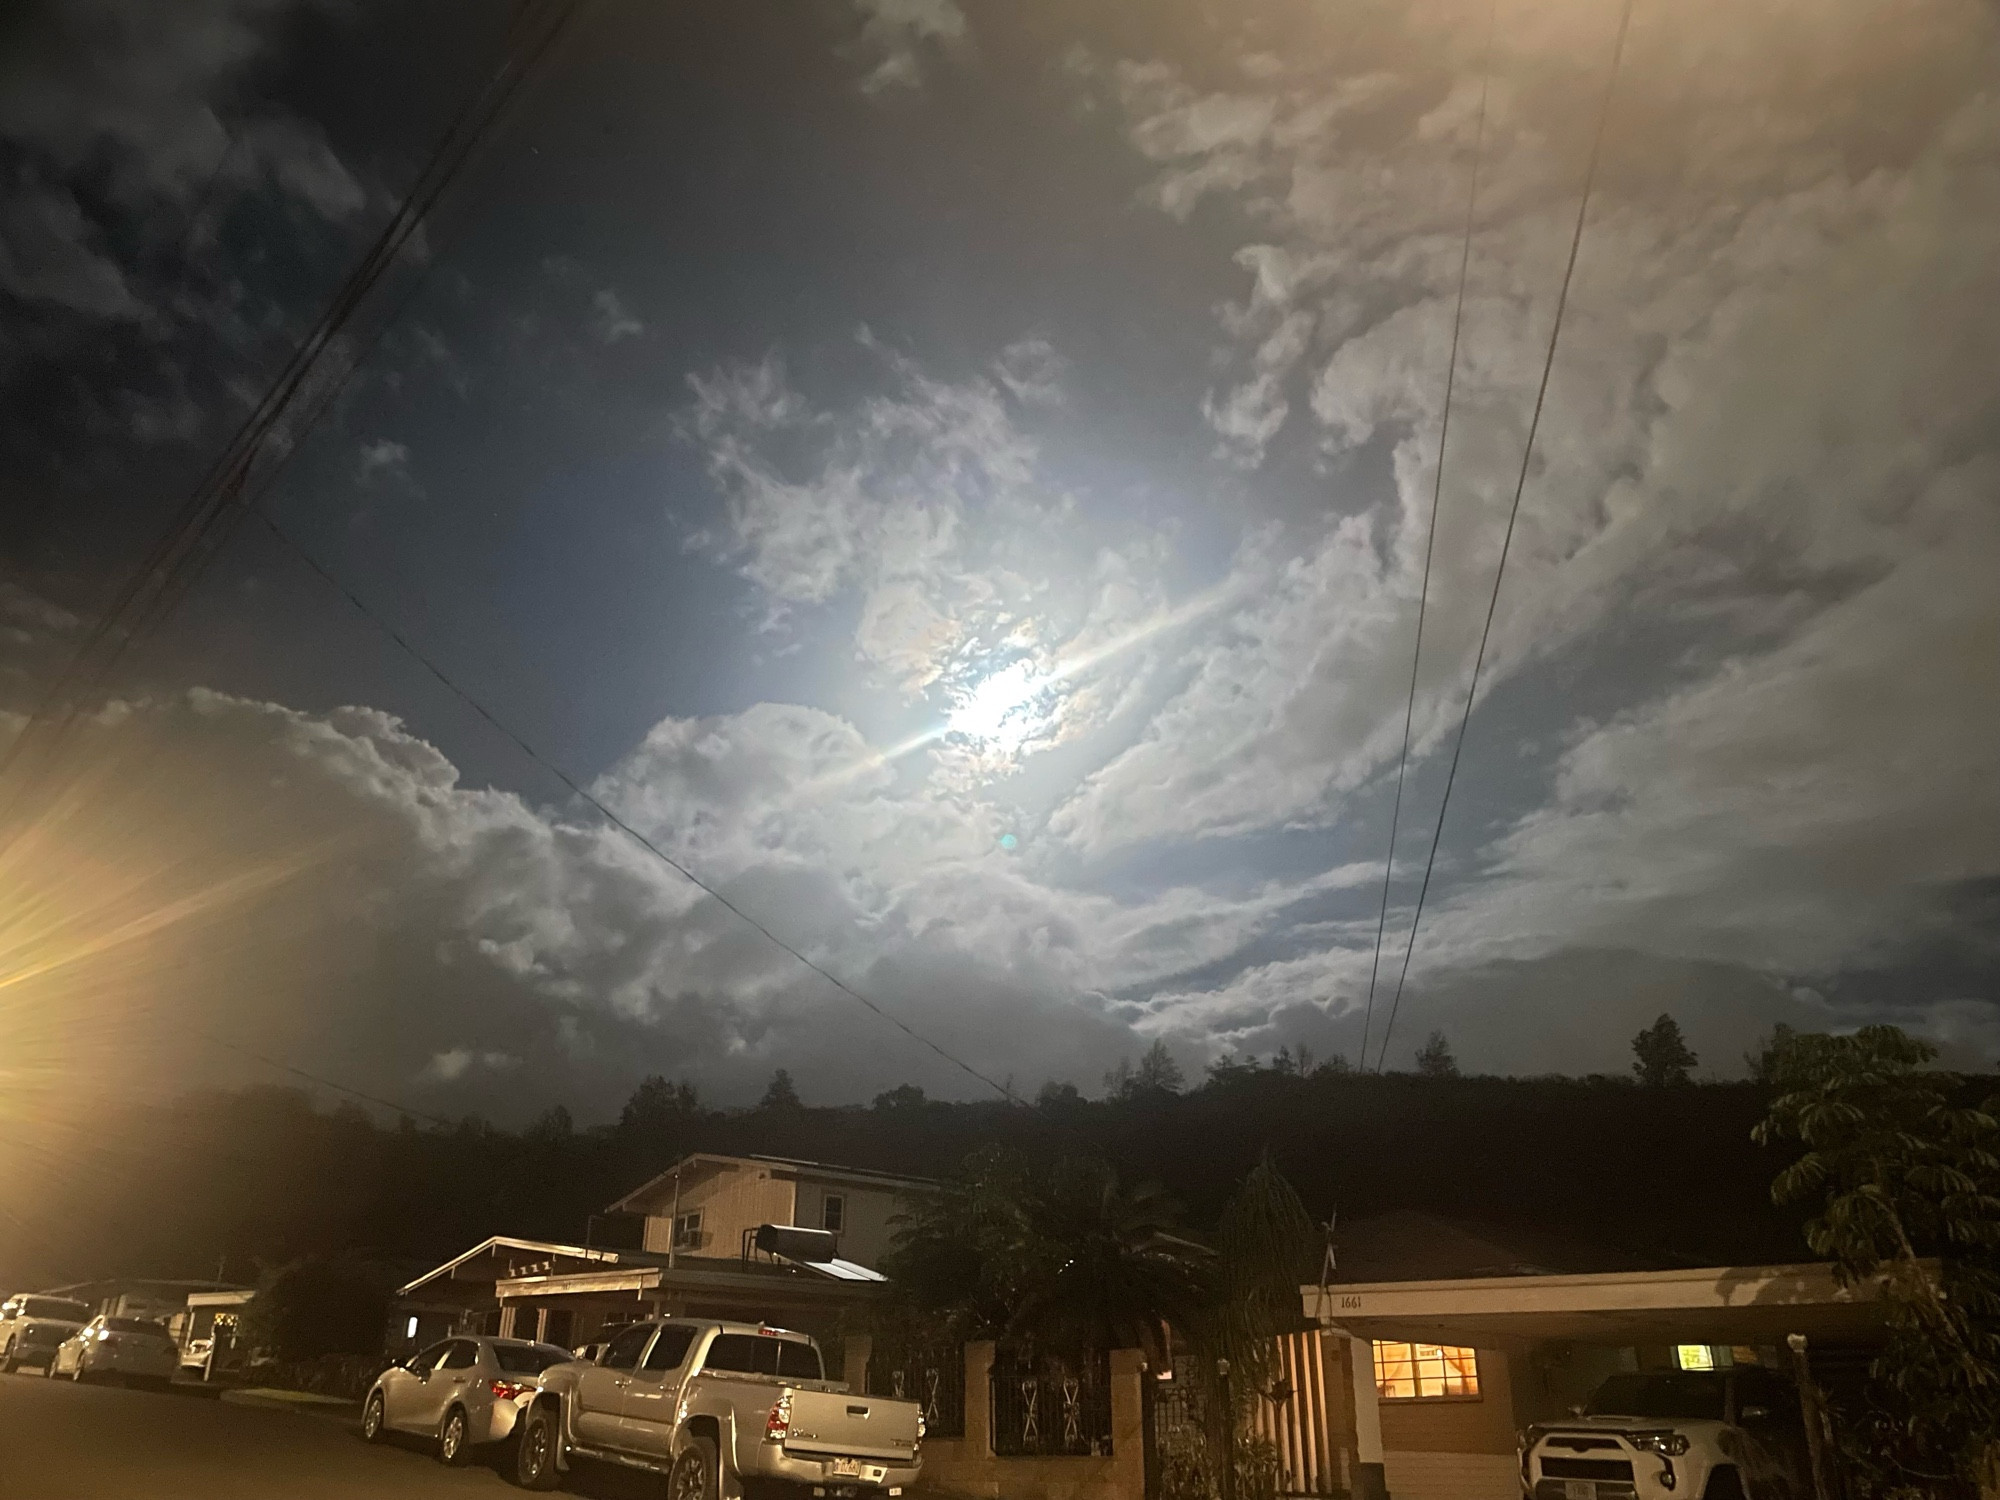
[(855, 1176), (1410, 1245)]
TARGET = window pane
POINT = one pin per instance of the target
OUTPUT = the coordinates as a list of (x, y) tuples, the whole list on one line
[(670, 1348), (623, 1352), (798, 1361), (1415, 1372), (732, 1351)]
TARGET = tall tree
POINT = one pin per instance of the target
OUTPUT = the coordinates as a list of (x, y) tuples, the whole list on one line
[(1661, 1055), (1903, 1177), (658, 1107), (780, 1093), (1157, 1075), (1434, 1059)]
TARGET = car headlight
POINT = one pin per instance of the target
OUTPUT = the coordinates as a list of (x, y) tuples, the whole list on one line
[(104, 1335), (1672, 1444)]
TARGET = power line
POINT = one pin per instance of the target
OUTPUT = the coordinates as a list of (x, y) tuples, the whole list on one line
[(327, 1083), (1430, 539), (612, 817), (178, 556), (1513, 515)]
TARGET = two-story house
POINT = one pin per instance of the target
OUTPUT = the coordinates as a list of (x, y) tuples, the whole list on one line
[(713, 1205), (755, 1238)]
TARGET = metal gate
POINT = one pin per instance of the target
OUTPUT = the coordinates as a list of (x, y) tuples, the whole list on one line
[(1295, 1422)]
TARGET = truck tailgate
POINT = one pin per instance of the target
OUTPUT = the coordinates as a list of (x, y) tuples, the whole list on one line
[(831, 1422)]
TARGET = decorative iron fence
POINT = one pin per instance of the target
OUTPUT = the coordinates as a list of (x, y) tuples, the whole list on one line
[(934, 1377), (1046, 1405)]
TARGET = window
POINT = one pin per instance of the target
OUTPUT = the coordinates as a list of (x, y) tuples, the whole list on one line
[(763, 1354), (623, 1352), (687, 1231), (462, 1355), (670, 1348), (798, 1361), (1694, 1356), (55, 1309), (410, 1329), (734, 1351), (527, 1359), (1425, 1372), (833, 1213), (424, 1362)]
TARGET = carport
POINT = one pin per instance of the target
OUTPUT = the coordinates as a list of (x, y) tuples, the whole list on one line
[(1446, 1372)]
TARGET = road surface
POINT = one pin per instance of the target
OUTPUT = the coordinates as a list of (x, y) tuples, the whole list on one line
[(60, 1441)]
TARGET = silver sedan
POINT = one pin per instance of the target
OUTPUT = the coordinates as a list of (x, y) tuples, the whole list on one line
[(127, 1347), (462, 1392)]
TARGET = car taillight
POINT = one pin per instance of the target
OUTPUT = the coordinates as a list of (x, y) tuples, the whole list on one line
[(507, 1390), (779, 1423)]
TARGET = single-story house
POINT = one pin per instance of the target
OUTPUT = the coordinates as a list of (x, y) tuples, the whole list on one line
[(1427, 1379)]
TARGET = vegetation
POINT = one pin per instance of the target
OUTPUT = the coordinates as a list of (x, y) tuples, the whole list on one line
[(316, 1307), (1434, 1059), (1662, 1055), (1072, 1259), (1902, 1175), (262, 1178)]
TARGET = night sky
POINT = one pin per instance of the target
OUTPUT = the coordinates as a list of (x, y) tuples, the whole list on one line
[(958, 477)]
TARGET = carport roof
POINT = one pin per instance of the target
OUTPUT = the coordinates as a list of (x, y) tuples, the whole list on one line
[(1714, 1305)]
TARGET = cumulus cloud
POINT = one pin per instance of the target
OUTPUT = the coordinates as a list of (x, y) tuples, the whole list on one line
[(897, 35)]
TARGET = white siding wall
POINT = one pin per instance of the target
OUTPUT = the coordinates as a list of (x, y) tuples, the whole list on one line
[(1451, 1476)]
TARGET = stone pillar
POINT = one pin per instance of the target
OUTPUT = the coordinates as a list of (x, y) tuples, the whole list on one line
[(1370, 1482), (1128, 1422), (855, 1351), (979, 1399)]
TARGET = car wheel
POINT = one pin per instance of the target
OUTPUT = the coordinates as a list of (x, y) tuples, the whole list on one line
[(76, 1375), (9, 1364), (1723, 1484), (371, 1418), (453, 1435), (694, 1475), (535, 1460)]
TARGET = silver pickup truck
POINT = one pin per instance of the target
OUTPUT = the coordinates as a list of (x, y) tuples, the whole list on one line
[(728, 1411)]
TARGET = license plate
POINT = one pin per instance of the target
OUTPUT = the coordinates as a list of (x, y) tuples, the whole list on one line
[(1579, 1489), (850, 1468)]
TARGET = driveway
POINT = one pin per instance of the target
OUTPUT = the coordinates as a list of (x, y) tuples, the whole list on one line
[(60, 1441)]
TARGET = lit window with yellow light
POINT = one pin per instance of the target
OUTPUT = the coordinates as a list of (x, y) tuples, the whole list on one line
[(1425, 1372)]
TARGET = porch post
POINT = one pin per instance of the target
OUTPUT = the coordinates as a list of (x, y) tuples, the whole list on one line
[(1370, 1480)]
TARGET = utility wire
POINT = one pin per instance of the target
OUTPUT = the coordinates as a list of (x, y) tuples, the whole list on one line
[(178, 556), (328, 1083), (611, 817), (1513, 515), (1430, 539)]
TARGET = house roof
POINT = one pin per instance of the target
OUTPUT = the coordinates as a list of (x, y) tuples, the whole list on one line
[(1703, 1304), (1409, 1245), (857, 1176), (504, 1259)]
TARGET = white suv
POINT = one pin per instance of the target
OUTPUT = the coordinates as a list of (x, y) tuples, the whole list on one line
[(32, 1326), (1673, 1435)]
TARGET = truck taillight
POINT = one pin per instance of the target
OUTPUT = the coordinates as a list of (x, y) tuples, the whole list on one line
[(779, 1423)]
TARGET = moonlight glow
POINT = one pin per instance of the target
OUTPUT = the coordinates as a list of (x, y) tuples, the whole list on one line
[(1005, 709)]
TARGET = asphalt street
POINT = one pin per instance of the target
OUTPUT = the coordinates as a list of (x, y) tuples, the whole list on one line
[(60, 1441)]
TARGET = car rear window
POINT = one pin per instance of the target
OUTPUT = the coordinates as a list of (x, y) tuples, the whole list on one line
[(135, 1325), (55, 1307), (759, 1354), (527, 1359), (798, 1361)]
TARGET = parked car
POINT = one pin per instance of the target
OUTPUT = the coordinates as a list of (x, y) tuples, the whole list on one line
[(31, 1326), (1674, 1435), (719, 1408), (464, 1392), (129, 1348)]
